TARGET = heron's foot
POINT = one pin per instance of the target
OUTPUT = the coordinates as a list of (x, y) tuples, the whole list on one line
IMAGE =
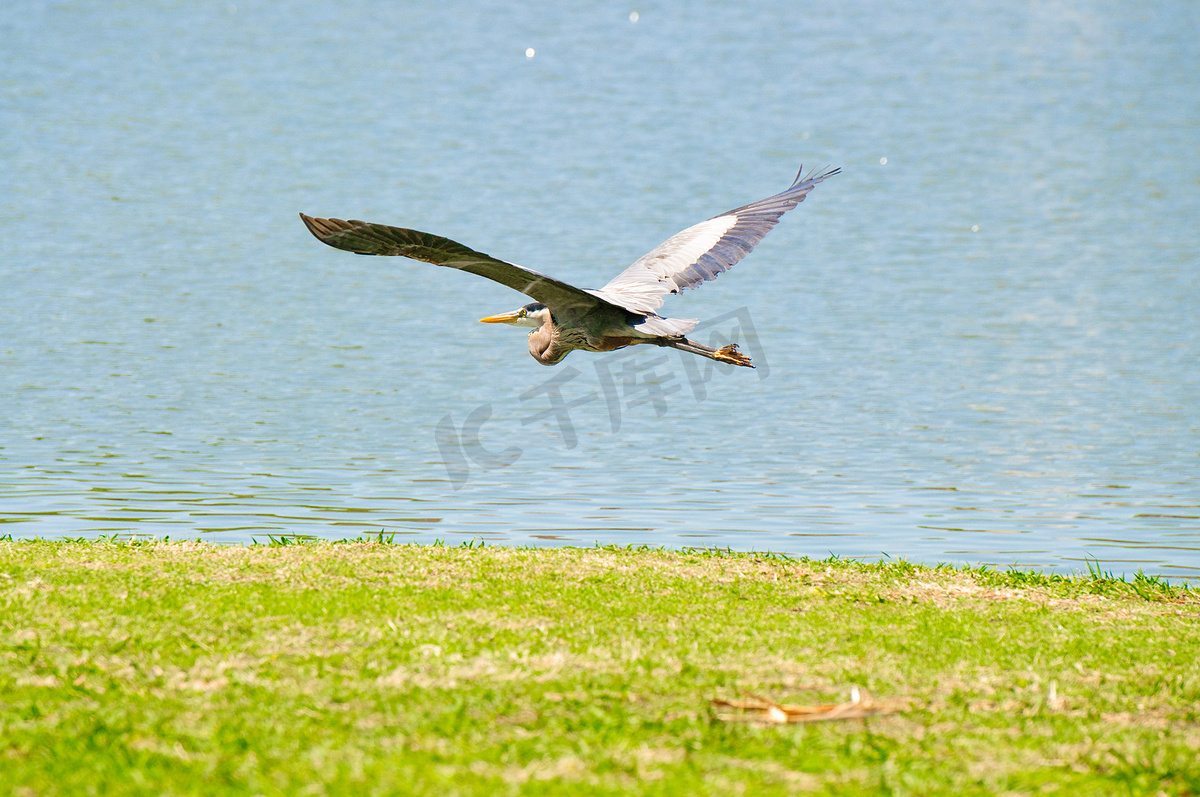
[(730, 354)]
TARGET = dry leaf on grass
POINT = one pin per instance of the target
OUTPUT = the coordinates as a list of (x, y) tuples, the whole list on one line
[(761, 709)]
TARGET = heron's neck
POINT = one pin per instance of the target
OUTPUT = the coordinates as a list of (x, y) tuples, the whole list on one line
[(542, 343)]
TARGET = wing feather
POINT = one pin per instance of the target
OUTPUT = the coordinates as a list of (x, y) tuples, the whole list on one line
[(365, 238), (704, 250)]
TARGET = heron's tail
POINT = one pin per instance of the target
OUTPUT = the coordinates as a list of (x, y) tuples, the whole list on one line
[(725, 354)]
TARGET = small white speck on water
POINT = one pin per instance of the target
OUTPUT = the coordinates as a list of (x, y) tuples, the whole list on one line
[(530, 52), (883, 161), (974, 228), (633, 16)]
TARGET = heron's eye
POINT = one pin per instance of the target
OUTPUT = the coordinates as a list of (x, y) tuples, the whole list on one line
[(521, 314)]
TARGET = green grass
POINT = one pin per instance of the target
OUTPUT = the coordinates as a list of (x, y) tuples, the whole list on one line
[(186, 668)]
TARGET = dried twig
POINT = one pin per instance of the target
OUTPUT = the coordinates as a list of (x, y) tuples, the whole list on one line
[(761, 709)]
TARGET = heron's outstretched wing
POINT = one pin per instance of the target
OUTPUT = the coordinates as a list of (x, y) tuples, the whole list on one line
[(365, 238), (703, 251)]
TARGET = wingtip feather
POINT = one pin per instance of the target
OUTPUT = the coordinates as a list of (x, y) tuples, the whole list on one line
[(816, 174), (313, 224), (323, 229)]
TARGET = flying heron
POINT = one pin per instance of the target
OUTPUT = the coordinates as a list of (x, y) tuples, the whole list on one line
[(622, 313)]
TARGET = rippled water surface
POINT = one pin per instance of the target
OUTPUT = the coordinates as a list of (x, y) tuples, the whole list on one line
[(980, 343)]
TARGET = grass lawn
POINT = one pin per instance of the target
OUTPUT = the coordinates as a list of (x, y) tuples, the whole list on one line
[(366, 668)]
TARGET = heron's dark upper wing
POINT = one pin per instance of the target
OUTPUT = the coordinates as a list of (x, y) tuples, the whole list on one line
[(365, 238), (703, 251)]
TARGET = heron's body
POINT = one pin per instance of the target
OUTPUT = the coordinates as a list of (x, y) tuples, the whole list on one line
[(554, 338), (622, 313)]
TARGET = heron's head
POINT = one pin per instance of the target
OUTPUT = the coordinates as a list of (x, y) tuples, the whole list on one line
[(531, 315)]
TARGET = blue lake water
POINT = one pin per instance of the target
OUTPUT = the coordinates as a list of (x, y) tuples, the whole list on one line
[(980, 343)]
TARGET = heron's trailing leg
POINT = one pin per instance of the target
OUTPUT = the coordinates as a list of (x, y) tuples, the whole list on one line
[(725, 354)]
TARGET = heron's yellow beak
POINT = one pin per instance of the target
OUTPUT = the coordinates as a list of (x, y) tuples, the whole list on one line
[(503, 318)]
